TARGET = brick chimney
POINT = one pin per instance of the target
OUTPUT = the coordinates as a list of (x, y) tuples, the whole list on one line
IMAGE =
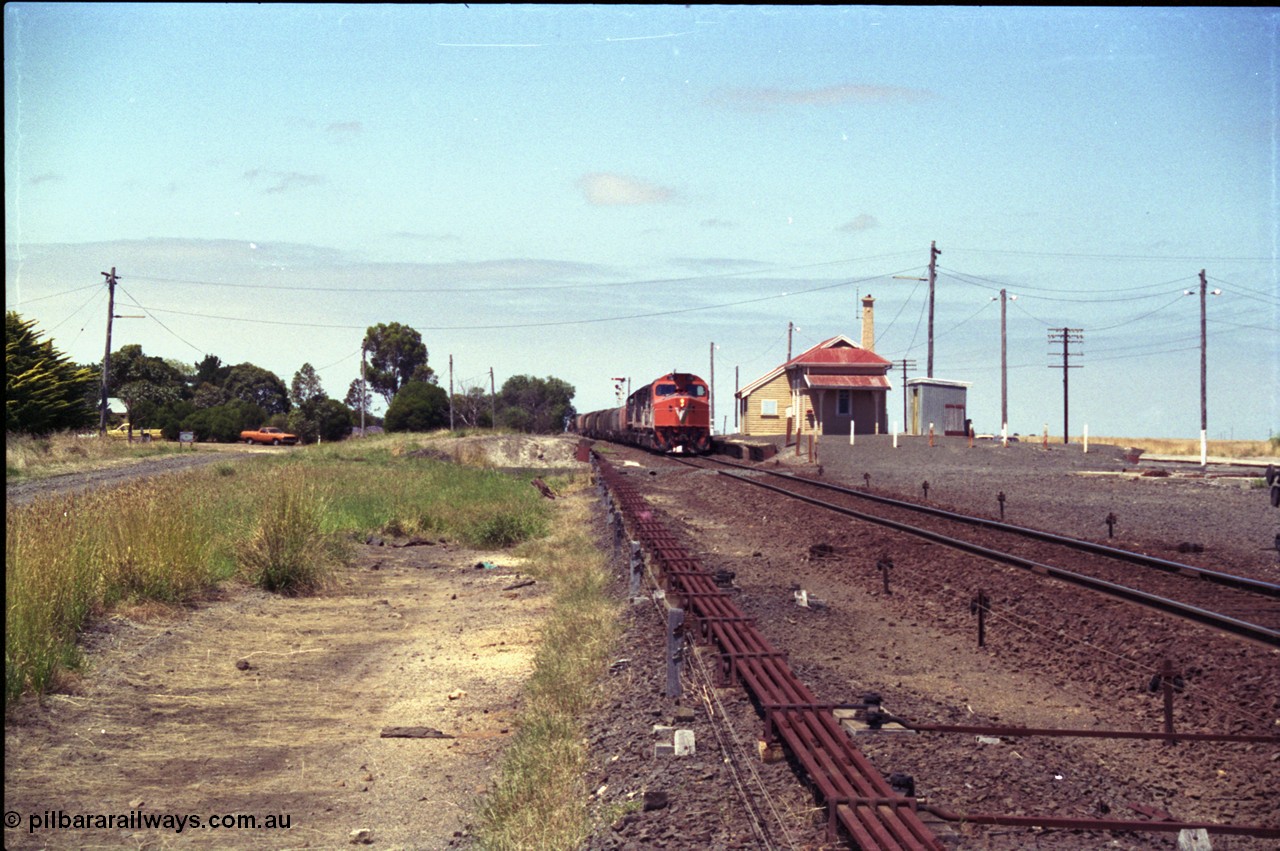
[(868, 323)]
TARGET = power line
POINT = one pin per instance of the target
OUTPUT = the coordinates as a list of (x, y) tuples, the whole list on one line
[(524, 325)]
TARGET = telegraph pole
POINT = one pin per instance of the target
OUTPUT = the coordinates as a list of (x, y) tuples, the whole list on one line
[(1004, 363), (493, 402), (1067, 337), (106, 356), (711, 397), (1204, 368), (906, 364), (791, 326), (450, 392), (933, 279), (364, 385), (736, 402)]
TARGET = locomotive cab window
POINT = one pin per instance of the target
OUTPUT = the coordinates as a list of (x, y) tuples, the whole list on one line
[(665, 390)]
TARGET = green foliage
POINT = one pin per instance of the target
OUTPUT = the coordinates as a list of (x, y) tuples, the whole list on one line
[(535, 405), (259, 386), (418, 407), (44, 392), (287, 552), (397, 356), (224, 423), (145, 382)]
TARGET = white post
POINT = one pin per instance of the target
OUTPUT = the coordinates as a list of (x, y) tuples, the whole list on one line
[(1086, 438), (852, 428), (1004, 434), (895, 435)]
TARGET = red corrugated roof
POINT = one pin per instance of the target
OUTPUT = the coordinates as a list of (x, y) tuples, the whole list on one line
[(837, 350), (829, 382)]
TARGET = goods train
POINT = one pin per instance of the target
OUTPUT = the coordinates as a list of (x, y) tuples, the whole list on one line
[(669, 414)]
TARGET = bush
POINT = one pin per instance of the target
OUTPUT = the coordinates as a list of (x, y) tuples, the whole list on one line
[(418, 407), (287, 552)]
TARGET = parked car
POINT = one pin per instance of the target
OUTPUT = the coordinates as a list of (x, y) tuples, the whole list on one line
[(269, 434), (122, 430)]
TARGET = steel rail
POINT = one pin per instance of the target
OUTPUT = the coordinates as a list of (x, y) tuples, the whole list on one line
[(1243, 629), (1270, 589), (857, 796)]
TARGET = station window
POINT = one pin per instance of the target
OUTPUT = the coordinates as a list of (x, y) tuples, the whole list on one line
[(768, 407), (842, 403)]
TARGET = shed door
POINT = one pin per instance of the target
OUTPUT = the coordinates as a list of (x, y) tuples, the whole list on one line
[(955, 420)]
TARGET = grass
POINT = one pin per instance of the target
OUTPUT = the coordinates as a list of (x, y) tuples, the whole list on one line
[(280, 521), (1191, 446), (540, 799), (28, 457)]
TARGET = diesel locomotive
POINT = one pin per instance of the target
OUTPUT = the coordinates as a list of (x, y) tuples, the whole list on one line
[(669, 414)]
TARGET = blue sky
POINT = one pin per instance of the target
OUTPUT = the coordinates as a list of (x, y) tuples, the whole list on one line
[(590, 192)]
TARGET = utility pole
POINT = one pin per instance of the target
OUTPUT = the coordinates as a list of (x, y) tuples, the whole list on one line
[(1004, 363), (711, 398), (450, 392), (1067, 337), (493, 402), (906, 364), (736, 403), (364, 385), (106, 356), (1204, 368), (791, 326), (933, 280)]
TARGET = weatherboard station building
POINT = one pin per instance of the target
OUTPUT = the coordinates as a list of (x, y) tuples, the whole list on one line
[(836, 387)]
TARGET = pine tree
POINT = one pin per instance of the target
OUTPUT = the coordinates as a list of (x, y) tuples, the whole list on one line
[(44, 391)]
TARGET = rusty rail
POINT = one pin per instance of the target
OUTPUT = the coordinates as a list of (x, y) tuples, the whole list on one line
[(858, 798)]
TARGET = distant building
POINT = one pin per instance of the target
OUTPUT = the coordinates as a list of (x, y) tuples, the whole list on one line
[(937, 402)]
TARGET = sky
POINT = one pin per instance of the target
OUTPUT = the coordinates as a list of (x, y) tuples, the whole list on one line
[(594, 192)]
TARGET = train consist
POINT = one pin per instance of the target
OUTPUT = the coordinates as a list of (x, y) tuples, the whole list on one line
[(669, 414)]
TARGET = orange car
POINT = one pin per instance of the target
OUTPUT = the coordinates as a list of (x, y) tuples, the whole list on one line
[(268, 434)]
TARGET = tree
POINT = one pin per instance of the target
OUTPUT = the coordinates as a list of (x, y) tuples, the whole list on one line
[(359, 398), (397, 356), (473, 408), (305, 388), (259, 386), (138, 378), (210, 370), (418, 406), (224, 422), (44, 391), (537, 405)]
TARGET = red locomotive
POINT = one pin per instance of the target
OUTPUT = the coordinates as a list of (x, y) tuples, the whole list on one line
[(670, 414)]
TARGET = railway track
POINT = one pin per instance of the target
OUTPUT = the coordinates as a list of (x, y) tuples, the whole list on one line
[(1242, 606), (861, 805)]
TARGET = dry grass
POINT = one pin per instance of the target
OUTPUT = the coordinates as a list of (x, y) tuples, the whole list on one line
[(27, 457), (1190, 447), (539, 801)]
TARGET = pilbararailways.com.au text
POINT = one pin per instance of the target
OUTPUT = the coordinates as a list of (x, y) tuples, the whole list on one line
[(141, 820)]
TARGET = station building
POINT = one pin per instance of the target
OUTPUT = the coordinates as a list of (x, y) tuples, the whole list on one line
[(836, 387)]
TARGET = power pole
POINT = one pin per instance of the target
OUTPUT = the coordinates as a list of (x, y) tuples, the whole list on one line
[(791, 326), (906, 364), (1004, 363), (364, 385), (493, 402), (106, 356), (736, 402), (711, 398), (1204, 368), (933, 280), (1067, 337), (450, 392)]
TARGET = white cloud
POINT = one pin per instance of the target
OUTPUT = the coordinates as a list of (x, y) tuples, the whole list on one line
[(860, 223), (770, 98), (604, 189)]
